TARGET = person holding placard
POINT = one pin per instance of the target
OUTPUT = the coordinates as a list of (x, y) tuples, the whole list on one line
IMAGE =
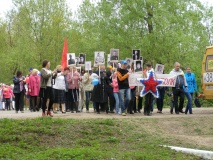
[(123, 83)]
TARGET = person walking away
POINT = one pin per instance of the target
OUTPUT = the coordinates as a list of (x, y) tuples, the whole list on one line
[(178, 91), (18, 91), (34, 89)]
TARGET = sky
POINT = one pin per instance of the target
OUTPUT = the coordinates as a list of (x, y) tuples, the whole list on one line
[(6, 5)]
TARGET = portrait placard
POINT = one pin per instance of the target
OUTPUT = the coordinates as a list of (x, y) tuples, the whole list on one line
[(136, 54), (99, 58), (159, 68), (88, 65), (138, 66), (71, 59), (129, 62), (114, 55), (82, 59)]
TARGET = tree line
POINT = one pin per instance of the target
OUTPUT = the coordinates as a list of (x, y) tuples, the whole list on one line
[(164, 31)]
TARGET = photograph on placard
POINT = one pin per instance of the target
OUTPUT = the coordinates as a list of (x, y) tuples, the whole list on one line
[(82, 58), (114, 54), (78, 69), (159, 68), (108, 60), (138, 66), (129, 62), (88, 65), (136, 54), (99, 58), (71, 59)]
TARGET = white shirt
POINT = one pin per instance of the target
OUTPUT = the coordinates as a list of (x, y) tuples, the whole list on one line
[(59, 82)]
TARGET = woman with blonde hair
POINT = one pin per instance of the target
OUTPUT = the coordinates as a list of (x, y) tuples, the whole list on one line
[(59, 88), (34, 88)]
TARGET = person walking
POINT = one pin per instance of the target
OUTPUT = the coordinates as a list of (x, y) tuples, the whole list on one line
[(7, 93), (19, 91), (148, 97), (46, 92), (116, 93), (123, 84), (59, 90), (34, 89), (88, 87), (73, 79), (178, 91), (192, 87)]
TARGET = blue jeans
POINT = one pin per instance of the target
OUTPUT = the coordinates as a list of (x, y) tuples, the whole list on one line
[(116, 95), (125, 96), (189, 103), (88, 94)]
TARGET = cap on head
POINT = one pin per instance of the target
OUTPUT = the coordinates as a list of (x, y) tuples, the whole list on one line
[(123, 62)]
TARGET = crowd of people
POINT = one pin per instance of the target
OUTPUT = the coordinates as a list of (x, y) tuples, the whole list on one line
[(69, 90)]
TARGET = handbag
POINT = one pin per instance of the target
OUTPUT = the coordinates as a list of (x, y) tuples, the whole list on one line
[(196, 101)]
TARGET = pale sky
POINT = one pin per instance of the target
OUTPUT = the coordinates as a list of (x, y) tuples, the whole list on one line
[(6, 5)]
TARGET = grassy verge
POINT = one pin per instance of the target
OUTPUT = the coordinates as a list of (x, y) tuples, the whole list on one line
[(46, 138)]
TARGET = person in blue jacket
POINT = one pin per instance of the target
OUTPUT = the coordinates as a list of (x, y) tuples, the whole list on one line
[(192, 87)]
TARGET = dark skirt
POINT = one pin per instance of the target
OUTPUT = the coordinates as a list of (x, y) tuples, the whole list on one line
[(59, 96), (73, 95), (46, 93), (99, 94)]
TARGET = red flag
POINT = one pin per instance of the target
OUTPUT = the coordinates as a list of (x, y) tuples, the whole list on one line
[(64, 54)]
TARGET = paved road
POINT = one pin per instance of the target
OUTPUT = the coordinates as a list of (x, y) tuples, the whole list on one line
[(197, 112)]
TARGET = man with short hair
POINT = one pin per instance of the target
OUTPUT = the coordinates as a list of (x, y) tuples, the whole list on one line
[(123, 84), (178, 90)]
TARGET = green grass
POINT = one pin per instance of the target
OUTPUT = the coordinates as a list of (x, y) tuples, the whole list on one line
[(92, 139)]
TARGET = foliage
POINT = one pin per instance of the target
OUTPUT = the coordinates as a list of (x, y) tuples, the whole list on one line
[(165, 31)]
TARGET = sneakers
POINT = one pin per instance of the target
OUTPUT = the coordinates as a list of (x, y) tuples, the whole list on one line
[(123, 114)]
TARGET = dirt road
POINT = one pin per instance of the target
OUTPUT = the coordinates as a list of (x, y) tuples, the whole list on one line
[(197, 112)]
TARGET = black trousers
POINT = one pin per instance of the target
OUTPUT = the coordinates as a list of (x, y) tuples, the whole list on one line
[(178, 93), (111, 97), (33, 102), (160, 99), (98, 105), (138, 106), (7, 103), (19, 101), (148, 103), (132, 102)]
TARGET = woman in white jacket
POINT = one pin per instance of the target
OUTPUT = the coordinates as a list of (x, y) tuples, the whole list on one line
[(59, 88)]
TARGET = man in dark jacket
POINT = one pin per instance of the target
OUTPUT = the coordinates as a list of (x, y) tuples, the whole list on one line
[(178, 90)]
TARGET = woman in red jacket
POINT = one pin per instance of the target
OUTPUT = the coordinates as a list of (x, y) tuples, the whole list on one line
[(7, 93), (34, 88)]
